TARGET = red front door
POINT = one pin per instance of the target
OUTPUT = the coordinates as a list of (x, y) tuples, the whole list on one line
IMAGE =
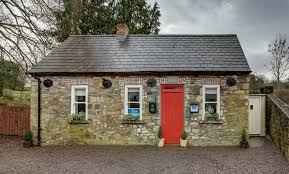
[(172, 112)]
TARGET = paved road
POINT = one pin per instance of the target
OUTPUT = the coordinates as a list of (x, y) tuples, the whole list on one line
[(263, 158)]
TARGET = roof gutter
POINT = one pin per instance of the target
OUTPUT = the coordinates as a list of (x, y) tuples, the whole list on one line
[(160, 73)]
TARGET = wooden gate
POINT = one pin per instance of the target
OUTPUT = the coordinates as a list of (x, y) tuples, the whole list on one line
[(172, 112), (14, 120)]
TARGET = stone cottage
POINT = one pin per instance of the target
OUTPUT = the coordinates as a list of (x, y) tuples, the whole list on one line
[(121, 89)]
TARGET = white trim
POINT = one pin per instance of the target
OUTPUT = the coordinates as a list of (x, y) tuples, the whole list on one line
[(218, 99), (73, 88), (126, 98)]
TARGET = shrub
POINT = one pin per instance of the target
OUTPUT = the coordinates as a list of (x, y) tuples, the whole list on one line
[(160, 133), (212, 117), (27, 136), (79, 117), (130, 118), (244, 135), (184, 135)]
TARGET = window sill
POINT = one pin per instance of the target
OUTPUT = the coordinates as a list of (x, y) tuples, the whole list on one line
[(132, 122), (78, 122), (211, 122)]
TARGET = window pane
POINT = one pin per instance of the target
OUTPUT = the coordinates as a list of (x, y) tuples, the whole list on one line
[(80, 98), (133, 94), (80, 107), (80, 92), (211, 108), (211, 90), (211, 97), (133, 105), (80, 95), (211, 94)]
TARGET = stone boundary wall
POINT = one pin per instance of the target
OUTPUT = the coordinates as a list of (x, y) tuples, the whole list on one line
[(277, 123)]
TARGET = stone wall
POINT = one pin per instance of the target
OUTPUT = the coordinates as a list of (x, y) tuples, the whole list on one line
[(277, 122), (106, 111)]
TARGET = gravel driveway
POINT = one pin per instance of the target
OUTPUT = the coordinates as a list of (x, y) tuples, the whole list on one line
[(106, 159)]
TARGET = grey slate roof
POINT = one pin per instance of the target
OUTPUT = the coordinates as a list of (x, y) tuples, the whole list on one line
[(145, 54)]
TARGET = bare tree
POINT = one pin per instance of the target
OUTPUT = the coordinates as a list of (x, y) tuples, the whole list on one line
[(279, 63), (25, 27)]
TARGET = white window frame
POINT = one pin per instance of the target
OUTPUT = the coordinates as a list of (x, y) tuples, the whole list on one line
[(126, 99), (218, 99), (73, 88)]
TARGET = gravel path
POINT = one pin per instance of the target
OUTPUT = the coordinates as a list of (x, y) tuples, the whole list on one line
[(145, 159)]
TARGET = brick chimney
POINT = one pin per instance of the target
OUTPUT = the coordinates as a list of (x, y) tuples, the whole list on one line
[(121, 29)]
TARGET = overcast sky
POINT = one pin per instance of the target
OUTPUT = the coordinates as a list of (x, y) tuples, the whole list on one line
[(256, 22)]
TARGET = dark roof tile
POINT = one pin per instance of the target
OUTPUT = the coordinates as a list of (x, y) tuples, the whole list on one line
[(145, 53)]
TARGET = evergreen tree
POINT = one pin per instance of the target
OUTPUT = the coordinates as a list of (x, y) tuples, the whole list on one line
[(101, 17)]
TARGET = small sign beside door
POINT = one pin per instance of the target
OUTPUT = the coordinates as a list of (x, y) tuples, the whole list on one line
[(194, 108), (152, 107)]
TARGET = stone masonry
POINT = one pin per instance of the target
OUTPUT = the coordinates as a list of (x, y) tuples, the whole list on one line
[(277, 118), (106, 111)]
